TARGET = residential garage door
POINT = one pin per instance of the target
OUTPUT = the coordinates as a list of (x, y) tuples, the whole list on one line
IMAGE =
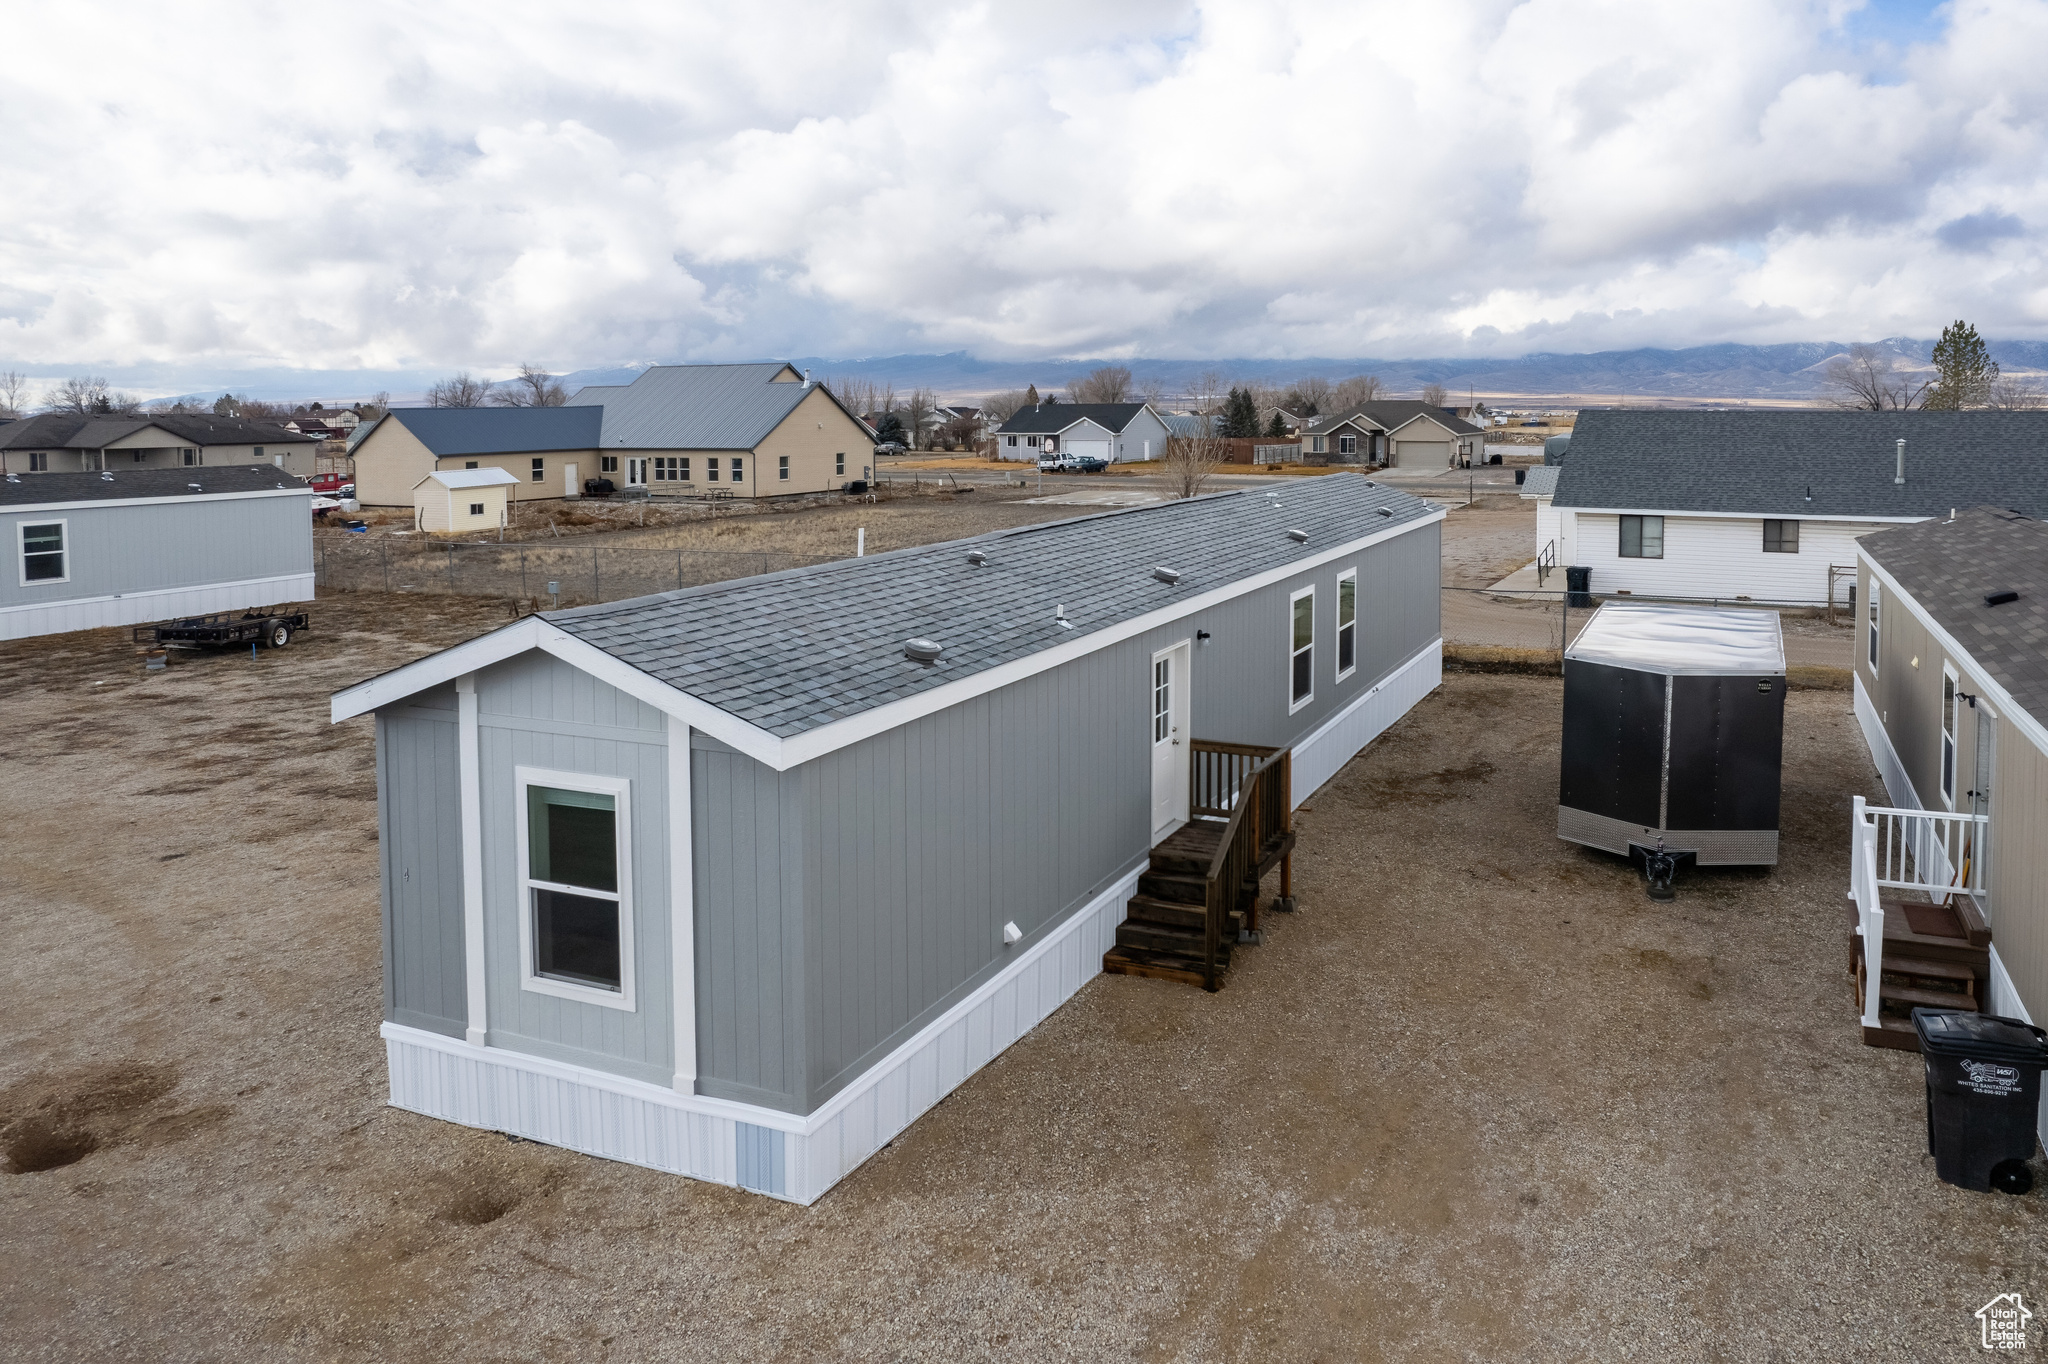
[(1086, 449), (1422, 454)]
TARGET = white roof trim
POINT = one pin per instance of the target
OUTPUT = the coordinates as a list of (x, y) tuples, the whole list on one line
[(10, 507), (1425, 417), (771, 750), (2022, 718), (469, 478), (1872, 521)]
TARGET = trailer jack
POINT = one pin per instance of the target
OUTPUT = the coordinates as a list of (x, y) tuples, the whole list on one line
[(1659, 866)]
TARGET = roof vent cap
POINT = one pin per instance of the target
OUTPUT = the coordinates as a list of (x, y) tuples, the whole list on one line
[(1385, 511), (976, 557), (1166, 575), (1300, 537), (106, 476), (2000, 598), (194, 487), (923, 650)]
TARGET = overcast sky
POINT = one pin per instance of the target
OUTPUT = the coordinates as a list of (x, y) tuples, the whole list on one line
[(193, 191)]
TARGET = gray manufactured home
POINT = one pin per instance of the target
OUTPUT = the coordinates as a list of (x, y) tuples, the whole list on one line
[(737, 881), (128, 546)]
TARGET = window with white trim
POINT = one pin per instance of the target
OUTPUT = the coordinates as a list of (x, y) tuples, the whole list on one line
[(1874, 590), (189, 456), (1642, 537), (39, 461), (1347, 445), (738, 470), (711, 469), (1347, 623), (1781, 537), (576, 928), (1951, 704), (839, 465), (43, 555), (540, 471), (1301, 649), (1162, 698), (1010, 440), (671, 469), (782, 468), (476, 509), (607, 464)]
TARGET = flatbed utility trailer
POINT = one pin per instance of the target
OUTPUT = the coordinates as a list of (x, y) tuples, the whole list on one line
[(269, 628)]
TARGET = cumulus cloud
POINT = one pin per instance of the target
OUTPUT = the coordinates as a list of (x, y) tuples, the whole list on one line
[(396, 188)]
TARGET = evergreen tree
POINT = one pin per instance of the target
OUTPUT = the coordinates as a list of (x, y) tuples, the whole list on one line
[(1031, 396), (1963, 369), (1277, 426), (1240, 415), (890, 428)]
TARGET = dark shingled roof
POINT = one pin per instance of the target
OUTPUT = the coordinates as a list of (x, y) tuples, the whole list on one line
[(30, 490), (451, 432), (71, 431), (1051, 418), (1949, 567), (1388, 414), (794, 651), (1764, 463)]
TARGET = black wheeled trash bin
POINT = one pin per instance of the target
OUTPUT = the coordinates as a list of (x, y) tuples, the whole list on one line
[(1983, 1096), (1578, 581)]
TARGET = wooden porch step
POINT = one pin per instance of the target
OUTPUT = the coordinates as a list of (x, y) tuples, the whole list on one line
[(1174, 914), (1909, 998), (1162, 938), (1188, 850), (1955, 975), (1138, 961), (1958, 922), (1894, 1034), (1177, 887)]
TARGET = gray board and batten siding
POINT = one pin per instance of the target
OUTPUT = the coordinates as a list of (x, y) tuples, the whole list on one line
[(843, 902), (144, 545)]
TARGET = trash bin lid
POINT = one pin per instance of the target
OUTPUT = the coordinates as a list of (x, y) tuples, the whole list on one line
[(1986, 1037)]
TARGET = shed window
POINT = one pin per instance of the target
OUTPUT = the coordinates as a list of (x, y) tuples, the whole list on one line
[(1347, 622), (42, 553), (1874, 590), (782, 468), (1301, 610), (469, 464), (476, 509), (1781, 537), (1642, 537), (577, 938), (540, 470), (711, 469)]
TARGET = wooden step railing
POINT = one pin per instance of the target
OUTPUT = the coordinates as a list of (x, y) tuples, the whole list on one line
[(1259, 801), (1217, 772), (1934, 852)]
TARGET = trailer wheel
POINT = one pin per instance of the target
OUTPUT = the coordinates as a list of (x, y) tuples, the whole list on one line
[(279, 634)]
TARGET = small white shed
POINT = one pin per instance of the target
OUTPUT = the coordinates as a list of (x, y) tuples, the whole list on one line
[(461, 499)]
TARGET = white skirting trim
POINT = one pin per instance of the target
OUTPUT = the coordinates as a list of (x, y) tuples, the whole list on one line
[(781, 1154), (1322, 755), (1896, 783), (141, 608), (2006, 1003)]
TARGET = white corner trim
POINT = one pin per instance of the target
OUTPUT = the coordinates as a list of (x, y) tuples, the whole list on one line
[(470, 781), (682, 908), (2022, 719), (608, 1115), (782, 754), (1897, 785)]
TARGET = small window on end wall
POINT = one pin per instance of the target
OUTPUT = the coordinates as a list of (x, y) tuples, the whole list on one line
[(1347, 623), (476, 509), (1301, 663), (540, 471), (782, 468), (839, 465), (1781, 537), (576, 930), (1874, 590), (1642, 537)]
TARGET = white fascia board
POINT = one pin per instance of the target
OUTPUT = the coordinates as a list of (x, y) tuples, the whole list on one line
[(2022, 719), (13, 507), (1669, 514), (781, 754)]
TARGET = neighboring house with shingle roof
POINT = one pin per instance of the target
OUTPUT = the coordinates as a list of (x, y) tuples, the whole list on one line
[(70, 442), (1113, 432), (1951, 683), (735, 867), (749, 430), (1757, 505), (1397, 433)]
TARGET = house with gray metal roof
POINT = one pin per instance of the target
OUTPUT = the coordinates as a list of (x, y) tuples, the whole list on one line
[(683, 430), (1759, 506), (130, 546), (737, 881), (1951, 693), (73, 442), (1114, 433)]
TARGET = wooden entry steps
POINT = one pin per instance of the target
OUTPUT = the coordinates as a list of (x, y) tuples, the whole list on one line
[(1936, 956), (1162, 935)]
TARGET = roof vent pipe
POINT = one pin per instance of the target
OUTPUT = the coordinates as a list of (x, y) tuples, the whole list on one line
[(1166, 575), (1900, 476), (976, 557), (922, 650)]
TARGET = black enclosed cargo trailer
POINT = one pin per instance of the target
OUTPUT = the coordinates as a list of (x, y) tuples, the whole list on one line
[(1674, 722)]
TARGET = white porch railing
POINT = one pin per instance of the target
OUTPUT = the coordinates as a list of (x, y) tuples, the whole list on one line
[(1915, 850)]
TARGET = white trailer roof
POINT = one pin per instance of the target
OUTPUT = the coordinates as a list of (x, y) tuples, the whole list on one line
[(1691, 640)]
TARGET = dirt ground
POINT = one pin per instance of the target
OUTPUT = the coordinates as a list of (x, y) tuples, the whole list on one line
[(1479, 1099)]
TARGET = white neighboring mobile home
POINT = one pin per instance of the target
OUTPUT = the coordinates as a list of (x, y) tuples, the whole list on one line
[(737, 881), (1758, 506)]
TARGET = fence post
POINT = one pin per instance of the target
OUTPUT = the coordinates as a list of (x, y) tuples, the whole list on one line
[(524, 595), (451, 569), (596, 587), (679, 570), (385, 550)]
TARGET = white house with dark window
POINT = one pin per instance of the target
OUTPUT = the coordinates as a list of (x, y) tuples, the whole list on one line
[(737, 881), (1112, 432), (126, 547), (1768, 506)]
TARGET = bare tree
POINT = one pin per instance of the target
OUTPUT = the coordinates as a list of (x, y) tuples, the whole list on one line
[(534, 387), (80, 394), (1148, 391), (13, 393), (1207, 391), (1866, 382), (1308, 397), (1436, 395), (2008, 394), (918, 411), (1192, 460), (255, 409), (464, 390), (1359, 388), (1109, 384), (1000, 407), (375, 406)]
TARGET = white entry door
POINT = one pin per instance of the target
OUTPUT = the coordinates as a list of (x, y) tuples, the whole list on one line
[(636, 472), (570, 487), (1170, 739)]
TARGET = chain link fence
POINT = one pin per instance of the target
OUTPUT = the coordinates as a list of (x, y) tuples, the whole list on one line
[(579, 575)]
